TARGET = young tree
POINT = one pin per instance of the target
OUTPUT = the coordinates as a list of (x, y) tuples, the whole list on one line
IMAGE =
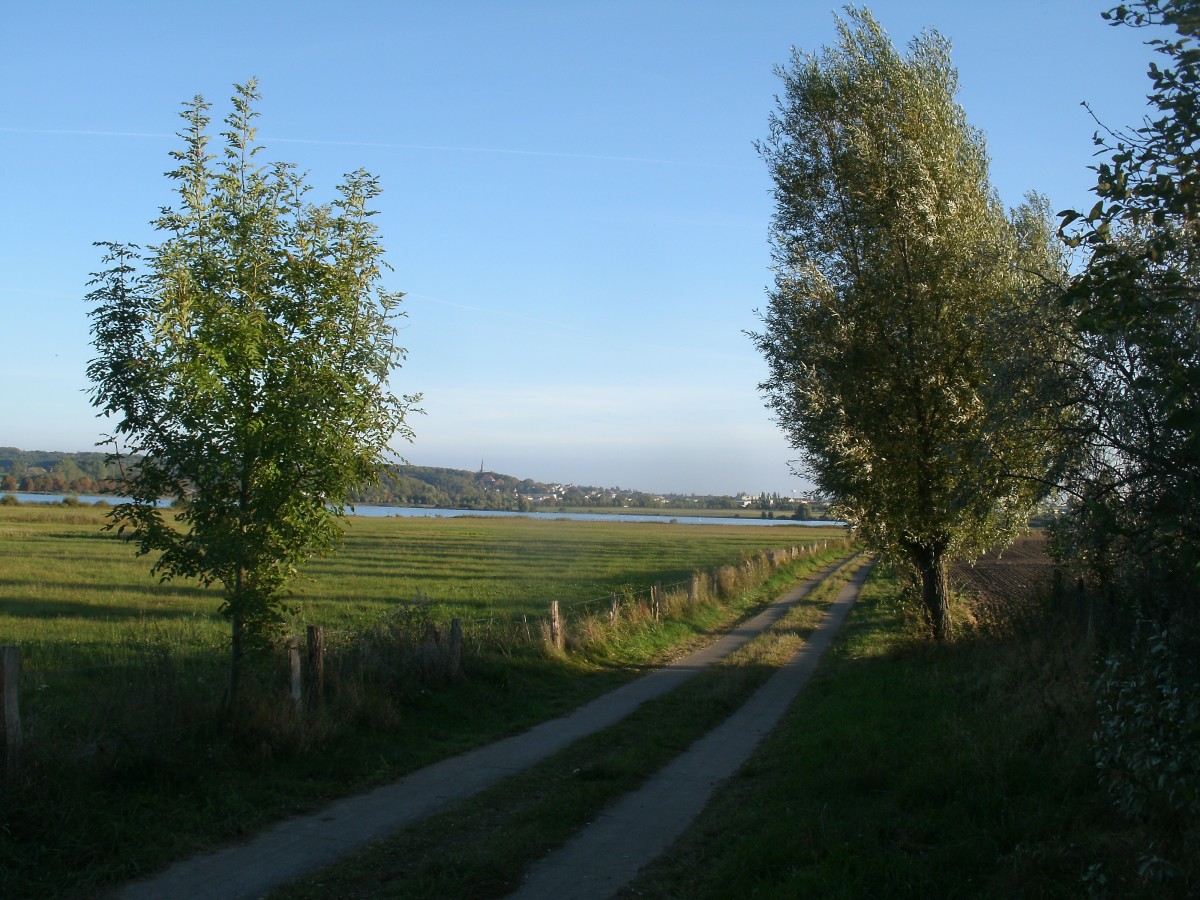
[(246, 361), (911, 355)]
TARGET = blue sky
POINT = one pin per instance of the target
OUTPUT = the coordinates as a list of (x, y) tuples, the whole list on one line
[(572, 203)]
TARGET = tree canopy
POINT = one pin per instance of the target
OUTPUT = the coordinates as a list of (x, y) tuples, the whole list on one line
[(1133, 531), (245, 360), (908, 337), (1137, 304)]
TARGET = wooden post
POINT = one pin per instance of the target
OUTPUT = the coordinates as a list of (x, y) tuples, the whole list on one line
[(10, 683), (656, 600), (694, 587), (454, 651), (316, 665), (556, 626), (614, 609), (293, 649)]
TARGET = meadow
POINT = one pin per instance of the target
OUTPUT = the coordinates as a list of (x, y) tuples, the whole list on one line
[(905, 769), (122, 675), (71, 593)]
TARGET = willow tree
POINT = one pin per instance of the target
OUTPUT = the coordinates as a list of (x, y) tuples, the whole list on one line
[(246, 361), (911, 354)]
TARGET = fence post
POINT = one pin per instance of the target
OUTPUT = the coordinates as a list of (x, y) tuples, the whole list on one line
[(10, 682), (293, 649), (316, 664), (614, 609), (656, 600), (454, 652), (694, 587), (556, 626)]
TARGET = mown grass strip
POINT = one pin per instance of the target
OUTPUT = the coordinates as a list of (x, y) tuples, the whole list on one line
[(481, 847), (70, 592)]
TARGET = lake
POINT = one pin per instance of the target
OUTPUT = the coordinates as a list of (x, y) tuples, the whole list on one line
[(411, 512)]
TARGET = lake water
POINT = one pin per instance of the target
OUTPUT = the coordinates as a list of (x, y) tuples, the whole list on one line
[(410, 512)]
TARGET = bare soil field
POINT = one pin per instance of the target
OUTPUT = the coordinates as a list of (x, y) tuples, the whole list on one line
[(1001, 583), (1016, 572)]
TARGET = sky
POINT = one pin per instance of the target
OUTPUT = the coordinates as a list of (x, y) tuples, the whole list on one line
[(572, 201)]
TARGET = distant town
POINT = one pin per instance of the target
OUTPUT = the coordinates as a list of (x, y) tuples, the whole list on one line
[(55, 472)]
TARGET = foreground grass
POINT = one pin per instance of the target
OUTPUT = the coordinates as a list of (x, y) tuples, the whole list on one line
[(76, 820), (481, 847), (908, 770)]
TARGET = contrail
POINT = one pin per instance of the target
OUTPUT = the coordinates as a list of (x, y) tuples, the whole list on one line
[(388, 145)]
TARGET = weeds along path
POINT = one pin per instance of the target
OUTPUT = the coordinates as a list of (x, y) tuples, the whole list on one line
[(304, 844), (606, 855)]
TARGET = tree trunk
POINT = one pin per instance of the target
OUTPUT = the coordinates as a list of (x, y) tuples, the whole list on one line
[(236, 631), (935, 590)]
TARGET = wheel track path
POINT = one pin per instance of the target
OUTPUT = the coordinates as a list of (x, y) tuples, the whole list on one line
[(607, 854), (301, 845)]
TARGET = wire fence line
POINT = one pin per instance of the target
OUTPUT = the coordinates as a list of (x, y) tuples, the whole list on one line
[(138, 649), (163, 688)]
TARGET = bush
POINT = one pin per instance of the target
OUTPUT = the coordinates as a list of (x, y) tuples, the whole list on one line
[(725, 582), (1148, 738)]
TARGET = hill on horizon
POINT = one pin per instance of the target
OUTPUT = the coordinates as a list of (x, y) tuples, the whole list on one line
[(51, 471)]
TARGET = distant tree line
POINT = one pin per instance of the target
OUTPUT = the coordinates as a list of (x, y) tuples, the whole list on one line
[(39, 471), (53, 472)]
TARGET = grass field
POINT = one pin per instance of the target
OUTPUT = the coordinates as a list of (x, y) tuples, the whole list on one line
[(480, 848), (70, 593), (904, 770), (123, 675)]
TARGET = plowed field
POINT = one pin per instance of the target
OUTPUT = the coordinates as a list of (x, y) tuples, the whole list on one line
[(1011, 574)]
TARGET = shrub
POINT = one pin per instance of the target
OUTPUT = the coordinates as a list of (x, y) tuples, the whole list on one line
[(402, 650), (1148, 738)]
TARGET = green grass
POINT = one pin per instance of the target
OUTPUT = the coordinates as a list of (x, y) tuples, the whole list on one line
[(102, 773), (909, 770), (70, 593)]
